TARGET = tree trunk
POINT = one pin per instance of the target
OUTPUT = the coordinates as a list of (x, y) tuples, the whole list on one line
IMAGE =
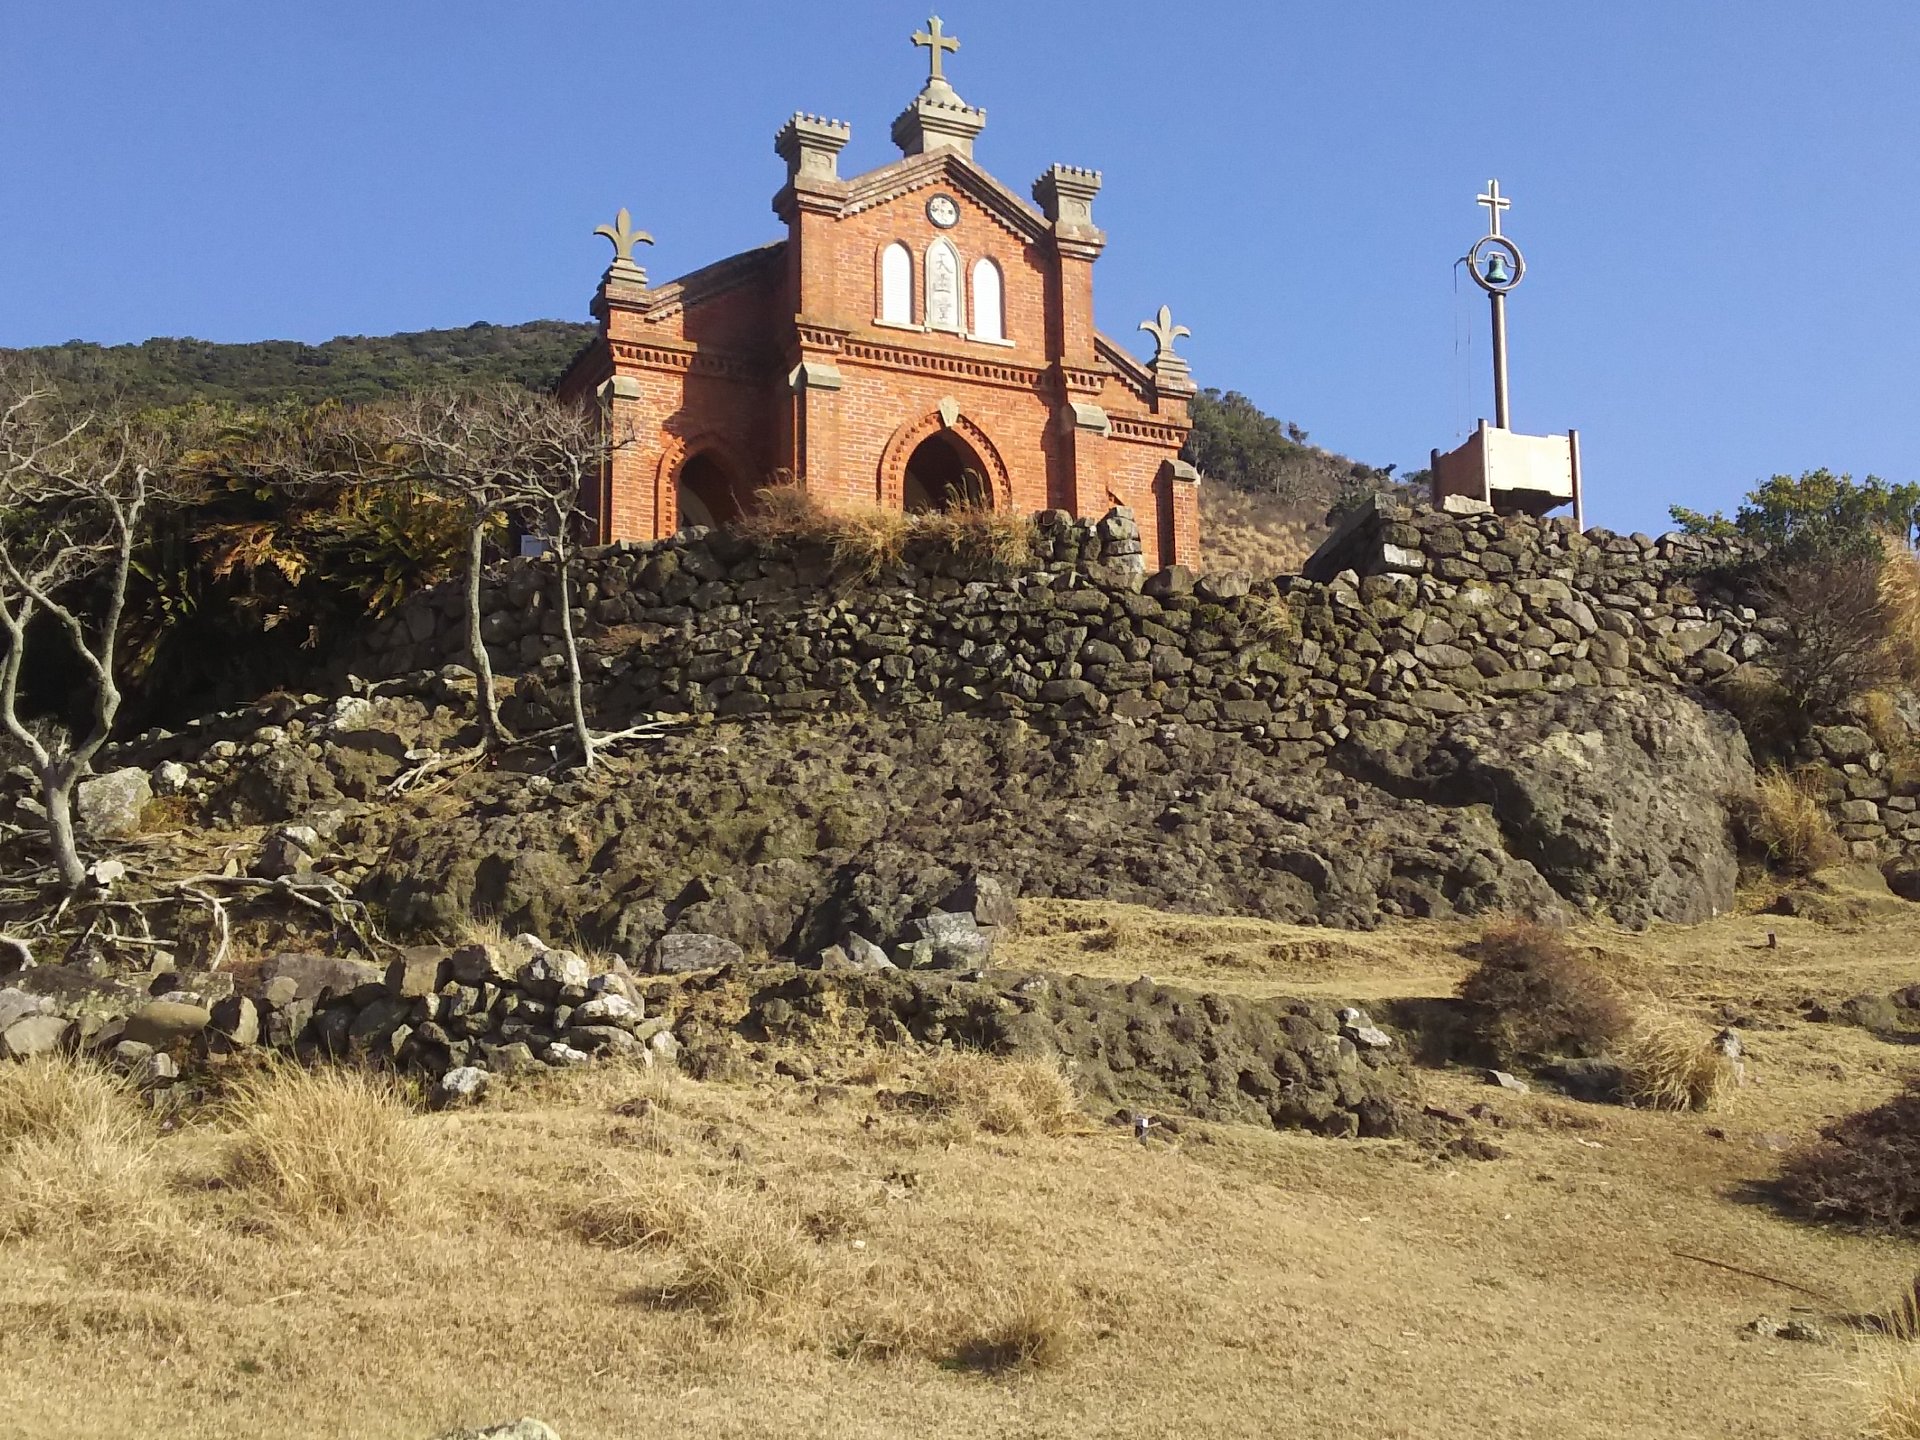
[(491, 731), (56, 793), (574, 698)]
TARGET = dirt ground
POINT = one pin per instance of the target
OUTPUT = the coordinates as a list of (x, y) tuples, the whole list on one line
[(574, 1248)]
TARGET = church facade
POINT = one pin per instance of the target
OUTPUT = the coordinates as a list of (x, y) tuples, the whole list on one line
[(923, 337)]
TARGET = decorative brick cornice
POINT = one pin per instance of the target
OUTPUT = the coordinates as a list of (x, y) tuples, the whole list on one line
[(721, 364), (965, 367), (819, 337), (1141, 431)]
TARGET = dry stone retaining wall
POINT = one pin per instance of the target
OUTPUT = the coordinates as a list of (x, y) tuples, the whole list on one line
[(1404, 616)]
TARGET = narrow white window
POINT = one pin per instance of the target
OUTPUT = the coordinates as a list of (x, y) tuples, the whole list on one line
[(943, 287), (896, 285), (989, 311)]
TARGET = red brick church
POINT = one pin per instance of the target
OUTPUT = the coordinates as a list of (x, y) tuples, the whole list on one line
[(922, 336)]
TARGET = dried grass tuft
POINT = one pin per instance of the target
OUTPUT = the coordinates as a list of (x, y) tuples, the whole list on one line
[(1269, 619), (1894, 1406), (866, 541), (743, 1258), (332, 1145), (1669, 1065), (1864, 1168), (77, 1156), (966, 1317), (1900, 596), (1533, 995), (1003, 1097), (1785, 818)]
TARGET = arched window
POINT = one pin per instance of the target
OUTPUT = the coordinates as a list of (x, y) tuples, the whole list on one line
[(945, 304), (896, 285), (989, 310)]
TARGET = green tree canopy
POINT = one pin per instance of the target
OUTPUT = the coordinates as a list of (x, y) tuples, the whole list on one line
[(1818, 513)]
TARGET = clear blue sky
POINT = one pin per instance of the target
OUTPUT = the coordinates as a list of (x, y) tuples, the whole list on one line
[(1720, 202)]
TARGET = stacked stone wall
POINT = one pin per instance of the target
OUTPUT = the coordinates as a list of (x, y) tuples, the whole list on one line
[(1431, 614)]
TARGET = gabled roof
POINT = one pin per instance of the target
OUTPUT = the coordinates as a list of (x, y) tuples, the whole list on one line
[(1135, 374), (915, 172), (711, 280)]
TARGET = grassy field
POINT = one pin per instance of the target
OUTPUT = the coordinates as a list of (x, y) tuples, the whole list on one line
[(621, 1252)]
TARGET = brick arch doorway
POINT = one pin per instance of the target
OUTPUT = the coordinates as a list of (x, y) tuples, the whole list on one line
[(708, 492), (944, 471)]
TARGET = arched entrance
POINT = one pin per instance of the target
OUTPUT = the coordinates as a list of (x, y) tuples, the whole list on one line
[(944, 471), (707, 493)]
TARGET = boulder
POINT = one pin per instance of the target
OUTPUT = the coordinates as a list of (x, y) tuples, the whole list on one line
[(32, 1035), (416, 971), (109, 806), (314, 977), (15, 955), (526, 1428), (680, 953), (289, 850), (1842, 744), (237, 1019), (608, 1009), (1616, 797), (953, 940), (170, 777), (462, 1085), (164, 1024), (554, 972), (17, 1005), (987, 898)]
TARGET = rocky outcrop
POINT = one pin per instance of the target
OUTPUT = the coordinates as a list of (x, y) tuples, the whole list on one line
[(1140, 1045), (1617, 798)]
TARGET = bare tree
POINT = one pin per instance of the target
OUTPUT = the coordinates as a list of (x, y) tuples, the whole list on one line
[(73, 496), (566, 448), (511, 453)]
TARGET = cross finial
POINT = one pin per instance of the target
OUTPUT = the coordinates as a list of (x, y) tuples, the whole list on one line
[(1495, 203), (624, 237), (933, 41), (1164, 332)]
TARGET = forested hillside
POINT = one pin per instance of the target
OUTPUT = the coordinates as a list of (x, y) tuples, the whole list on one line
[(353, 368)]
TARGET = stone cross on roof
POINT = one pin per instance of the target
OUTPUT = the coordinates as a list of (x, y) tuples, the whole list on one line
[(933, 41)]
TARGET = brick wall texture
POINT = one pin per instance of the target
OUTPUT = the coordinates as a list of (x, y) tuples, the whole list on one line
[(775, 366)]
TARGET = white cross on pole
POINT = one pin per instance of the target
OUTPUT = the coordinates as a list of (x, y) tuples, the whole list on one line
[(1495, 203)]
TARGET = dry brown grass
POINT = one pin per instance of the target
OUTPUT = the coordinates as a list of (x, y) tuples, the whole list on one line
[(967, 1318), (1261, 534), (1268, 618), (1893, 1399), (1003, 1097), (1533, 995), (1668, 1064), (1785, 818), (1203, 1275), (76, 1155), (331, 1146), (1864, 1168), (866, 541), (1900, 594), (745, 1260)]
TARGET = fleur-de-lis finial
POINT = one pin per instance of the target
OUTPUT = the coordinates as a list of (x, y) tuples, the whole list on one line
[(624, 237), (1164, 332)]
